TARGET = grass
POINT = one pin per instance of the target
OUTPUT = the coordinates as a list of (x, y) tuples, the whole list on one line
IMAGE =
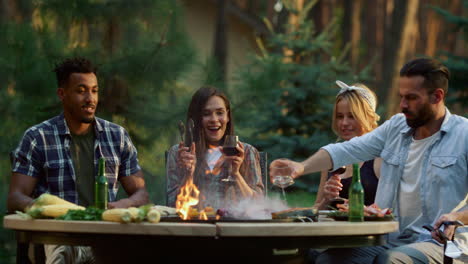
[(297, 198)]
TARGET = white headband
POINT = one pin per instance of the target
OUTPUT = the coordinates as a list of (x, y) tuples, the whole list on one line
[(366, 94)]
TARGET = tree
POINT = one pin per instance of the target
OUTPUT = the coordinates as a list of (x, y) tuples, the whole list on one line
[(286, 98), (457, 98), (141, 51)]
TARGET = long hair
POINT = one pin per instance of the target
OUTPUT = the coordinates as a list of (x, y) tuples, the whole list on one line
[(360, 108), (195, 112)]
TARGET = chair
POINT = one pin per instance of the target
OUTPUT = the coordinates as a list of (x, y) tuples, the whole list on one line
[(21, 247), (263, 168)]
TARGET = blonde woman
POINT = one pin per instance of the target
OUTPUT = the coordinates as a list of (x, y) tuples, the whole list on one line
[(353, 115)]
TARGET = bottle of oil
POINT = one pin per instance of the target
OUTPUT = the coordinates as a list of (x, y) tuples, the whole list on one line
[(356, 197), (100, 188)]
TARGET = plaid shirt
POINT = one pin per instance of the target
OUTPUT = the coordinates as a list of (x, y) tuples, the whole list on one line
[(44, 153), (213, 191)]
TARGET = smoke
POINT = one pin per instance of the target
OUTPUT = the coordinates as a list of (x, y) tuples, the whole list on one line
[(259, 208)]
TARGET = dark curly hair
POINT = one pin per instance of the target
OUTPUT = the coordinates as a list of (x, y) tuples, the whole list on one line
[(64, 69)]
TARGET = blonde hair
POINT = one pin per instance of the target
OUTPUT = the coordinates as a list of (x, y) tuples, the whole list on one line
[(360, 109)]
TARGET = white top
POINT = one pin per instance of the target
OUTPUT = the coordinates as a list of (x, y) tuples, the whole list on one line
[(410, 185), (212, 156)]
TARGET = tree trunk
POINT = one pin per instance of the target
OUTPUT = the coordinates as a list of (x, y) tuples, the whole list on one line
[(220, 43), (347, 22), (355, 32), (400, 47)]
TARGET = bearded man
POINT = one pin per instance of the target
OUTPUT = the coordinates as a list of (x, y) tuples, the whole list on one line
[(424, 172)]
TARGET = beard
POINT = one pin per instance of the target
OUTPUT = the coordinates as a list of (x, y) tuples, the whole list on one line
[(421, 117), (87, 120)]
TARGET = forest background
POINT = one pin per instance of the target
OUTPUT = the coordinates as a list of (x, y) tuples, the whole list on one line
[(276, 59)]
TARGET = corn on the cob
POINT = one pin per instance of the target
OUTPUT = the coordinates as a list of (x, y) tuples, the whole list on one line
[(49, 199), (137, 214), (56, 210), (153, 216), (119, 215)]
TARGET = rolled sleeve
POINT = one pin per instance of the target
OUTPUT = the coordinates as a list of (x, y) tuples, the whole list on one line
[(129, 162), (25, 157)]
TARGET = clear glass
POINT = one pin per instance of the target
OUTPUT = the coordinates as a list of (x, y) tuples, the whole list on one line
[(281, 173), (229, 149)]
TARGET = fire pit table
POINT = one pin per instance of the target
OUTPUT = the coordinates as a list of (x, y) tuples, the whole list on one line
[(192, 240)]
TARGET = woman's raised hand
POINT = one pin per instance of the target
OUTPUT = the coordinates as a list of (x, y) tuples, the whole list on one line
[(186, 157), (236, 160)]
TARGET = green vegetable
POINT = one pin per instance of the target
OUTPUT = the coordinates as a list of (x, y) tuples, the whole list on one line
[(90, 214)]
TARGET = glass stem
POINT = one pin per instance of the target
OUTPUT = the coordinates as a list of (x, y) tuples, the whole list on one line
[(284, 195)]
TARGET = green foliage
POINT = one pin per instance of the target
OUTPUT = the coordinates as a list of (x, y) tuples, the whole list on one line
[(89, 214), (141, 50), (457, 98), (286, 99)]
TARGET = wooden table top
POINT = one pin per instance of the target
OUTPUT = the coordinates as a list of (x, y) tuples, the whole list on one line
[(219, 229)]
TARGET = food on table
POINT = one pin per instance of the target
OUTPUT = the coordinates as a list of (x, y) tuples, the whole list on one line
[(53, 210), (372, 210), (165, 210), (119, 215), (89, 214), (49, 199), (153, 216), (295, 212), (48, 205), (137, 214), (222, 212), (195, 213)]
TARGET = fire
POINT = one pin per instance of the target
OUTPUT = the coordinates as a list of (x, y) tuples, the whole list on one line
[(203, 215), (187, 198)]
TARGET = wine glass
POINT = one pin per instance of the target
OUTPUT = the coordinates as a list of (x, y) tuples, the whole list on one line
[(230, 149), (281, 172), (337, 200)]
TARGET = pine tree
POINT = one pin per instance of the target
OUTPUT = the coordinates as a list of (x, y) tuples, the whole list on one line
[(457, 98), (141, 51), (288, 92)]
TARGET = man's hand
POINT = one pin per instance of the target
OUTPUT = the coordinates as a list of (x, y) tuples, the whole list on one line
[(449, 231), (297, 169), (123, 203)]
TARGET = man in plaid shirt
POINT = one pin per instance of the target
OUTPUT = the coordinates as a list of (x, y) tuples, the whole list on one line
[(60, 155)]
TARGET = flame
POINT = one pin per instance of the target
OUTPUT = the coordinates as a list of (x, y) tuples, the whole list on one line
[(187, 197), (203, 215)]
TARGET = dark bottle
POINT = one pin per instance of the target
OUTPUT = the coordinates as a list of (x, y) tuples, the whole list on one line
[(356, 197), (100, 188)]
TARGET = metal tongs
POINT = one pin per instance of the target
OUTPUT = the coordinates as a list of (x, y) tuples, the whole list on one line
[(451, 250), (186, 132)]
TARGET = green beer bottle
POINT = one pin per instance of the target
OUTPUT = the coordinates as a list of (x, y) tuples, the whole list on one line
[(100, 187), (356, 197)]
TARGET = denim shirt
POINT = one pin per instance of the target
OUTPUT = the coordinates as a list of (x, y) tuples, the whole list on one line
[(44, 153), (444, 181)]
